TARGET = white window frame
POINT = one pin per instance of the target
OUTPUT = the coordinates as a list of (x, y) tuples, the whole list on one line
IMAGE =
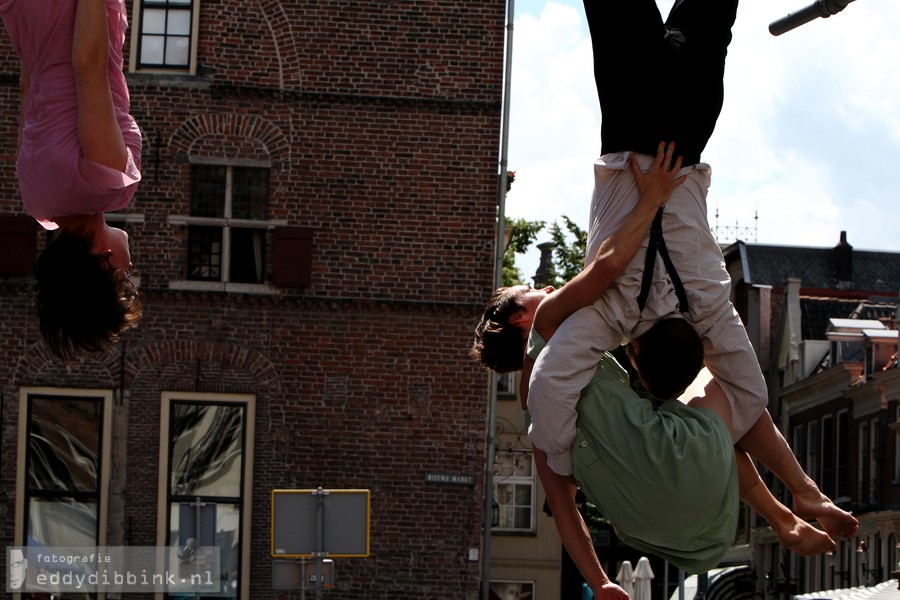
[(874, 492), (827, 454), (226, 223), (162, 501), (863, 450), (135, 24), (521, 582), (106, 397), (813, 464), (896, 444), (518, 480), (842, 447), (507, 386)]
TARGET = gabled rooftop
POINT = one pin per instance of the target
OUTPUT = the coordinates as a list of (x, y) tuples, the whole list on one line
[(837, 268)]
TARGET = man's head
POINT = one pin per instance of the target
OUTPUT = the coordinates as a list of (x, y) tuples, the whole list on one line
[(667, 357), (500, 335), (18, 565), (84, 300)]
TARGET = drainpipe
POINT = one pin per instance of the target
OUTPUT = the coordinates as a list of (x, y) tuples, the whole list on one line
[(499, 250)]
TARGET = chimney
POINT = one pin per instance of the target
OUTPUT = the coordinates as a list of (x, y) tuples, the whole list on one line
[(842, 263), (545, 272)]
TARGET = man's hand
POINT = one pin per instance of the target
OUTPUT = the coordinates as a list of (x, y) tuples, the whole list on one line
[(611, 591), (658, 183)]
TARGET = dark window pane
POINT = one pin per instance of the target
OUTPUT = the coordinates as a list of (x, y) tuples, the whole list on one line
[(206, 449), (208, 191), (228, 539), (843, 455), (204, 253), (247, 255), (64, 444), (62, 522), (250, 196)]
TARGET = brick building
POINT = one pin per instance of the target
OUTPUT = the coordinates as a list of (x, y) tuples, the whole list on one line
[(824, 324), (312, 238)]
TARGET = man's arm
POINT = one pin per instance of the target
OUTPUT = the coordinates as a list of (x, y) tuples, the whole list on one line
[(618, 249), (573, 532)]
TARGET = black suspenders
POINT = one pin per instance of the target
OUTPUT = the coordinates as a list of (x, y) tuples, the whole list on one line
[(658, 245)]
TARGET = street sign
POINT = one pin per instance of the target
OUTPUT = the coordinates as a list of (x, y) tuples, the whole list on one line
[(314, 523)]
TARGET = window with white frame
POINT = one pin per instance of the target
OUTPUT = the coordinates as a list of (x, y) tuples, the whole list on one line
[(842, 456), (514, 491), (829, 447), (873, 460), (63, 468), (812, 450), (798, 443), (207, 458), (231, 246), (506, 386), (896, 443), (166, 32), (862, 462), (227, 227), (512, 590)]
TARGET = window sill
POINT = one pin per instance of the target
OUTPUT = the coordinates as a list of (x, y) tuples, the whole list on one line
[(513, 533), (260, 289), (171, 78), (226, 222)]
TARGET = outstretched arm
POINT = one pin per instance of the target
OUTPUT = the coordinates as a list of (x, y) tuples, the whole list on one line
[(616, 251), (98, 130), (573, 532)]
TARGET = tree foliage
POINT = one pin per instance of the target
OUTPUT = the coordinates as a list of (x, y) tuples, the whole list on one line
[(570, 242), (523, 233)]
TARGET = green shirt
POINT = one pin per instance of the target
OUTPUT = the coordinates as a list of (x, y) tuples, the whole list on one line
[(665, 478)]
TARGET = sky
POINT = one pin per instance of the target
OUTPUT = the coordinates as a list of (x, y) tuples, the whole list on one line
[(807, 144)]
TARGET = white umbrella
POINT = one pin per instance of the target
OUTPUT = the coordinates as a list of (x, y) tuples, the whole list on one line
[(642, 576), (625, 577)]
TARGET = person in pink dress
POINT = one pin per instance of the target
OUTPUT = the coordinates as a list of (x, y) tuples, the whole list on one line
[(78, 158)]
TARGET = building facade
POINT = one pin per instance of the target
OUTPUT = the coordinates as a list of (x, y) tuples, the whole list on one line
[(312, 239), (824, 324)]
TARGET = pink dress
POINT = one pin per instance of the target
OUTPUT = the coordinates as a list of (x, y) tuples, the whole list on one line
[(54, 179)]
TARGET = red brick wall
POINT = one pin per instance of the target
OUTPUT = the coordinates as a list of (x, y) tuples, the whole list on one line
[(381, 124)]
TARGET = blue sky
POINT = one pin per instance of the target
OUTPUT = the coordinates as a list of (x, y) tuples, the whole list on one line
[(808, 138)]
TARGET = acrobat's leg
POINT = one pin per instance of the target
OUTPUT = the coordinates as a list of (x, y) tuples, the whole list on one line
[(98, 130), (706, 27), (765, 442), (793, 533), (627, 38)]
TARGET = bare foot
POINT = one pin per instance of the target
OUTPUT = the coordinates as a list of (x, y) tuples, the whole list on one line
[(836, 521), (804, 539)]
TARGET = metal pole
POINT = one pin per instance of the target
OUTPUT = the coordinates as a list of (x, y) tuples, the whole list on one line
[(302, 579), (198, 504), (499, 250), (320, 538), (666, 580)]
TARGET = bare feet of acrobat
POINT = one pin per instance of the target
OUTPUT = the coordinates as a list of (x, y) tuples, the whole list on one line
[(804, 539), (836, 521)]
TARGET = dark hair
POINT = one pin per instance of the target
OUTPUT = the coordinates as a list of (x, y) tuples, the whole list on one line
[(498, 344), (81, 304), (669, 358)]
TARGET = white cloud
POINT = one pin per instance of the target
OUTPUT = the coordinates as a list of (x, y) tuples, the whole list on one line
[(809, 137)]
